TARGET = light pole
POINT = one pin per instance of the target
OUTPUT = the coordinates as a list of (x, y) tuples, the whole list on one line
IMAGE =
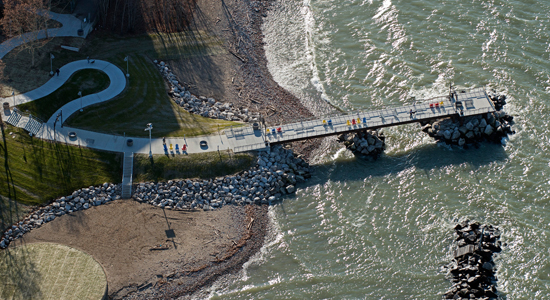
[(51, 64), (80, 94), (149, 128), (126, 59)]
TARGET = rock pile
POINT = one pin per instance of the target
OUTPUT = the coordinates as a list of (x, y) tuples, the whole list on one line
[(78, 200), (467, 130), (369, 142), (472, 270), (275, 174), (206, 107)]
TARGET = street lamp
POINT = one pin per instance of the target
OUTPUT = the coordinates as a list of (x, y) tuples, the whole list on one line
[(126, 59), (149, 128), (80, 94), (51, 64)]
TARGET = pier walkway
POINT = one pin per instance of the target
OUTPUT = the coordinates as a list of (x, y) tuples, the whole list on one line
[(462, 103)]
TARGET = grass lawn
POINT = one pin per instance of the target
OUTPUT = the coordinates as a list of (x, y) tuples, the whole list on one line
[(88, 81), (203, 165), (11, 212), (50, 271), (36, 171), (144, 101)]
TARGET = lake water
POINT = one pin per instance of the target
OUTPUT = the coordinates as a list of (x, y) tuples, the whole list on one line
[(383, 229)]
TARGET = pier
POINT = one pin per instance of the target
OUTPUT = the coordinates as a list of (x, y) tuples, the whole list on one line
[(460, 103)]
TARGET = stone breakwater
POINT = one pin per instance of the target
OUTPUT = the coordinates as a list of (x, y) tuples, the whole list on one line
[(206, 107), (276, 173), (472, 270), (468, 130), (79, 200), (370, 143)]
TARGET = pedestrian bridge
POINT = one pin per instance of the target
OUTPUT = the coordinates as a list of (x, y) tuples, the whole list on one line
[(460, 103)]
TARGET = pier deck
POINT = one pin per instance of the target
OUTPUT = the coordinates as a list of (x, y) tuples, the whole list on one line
[(462, 103)]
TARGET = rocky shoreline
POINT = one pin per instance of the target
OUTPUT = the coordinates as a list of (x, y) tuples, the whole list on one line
[(472, 270)]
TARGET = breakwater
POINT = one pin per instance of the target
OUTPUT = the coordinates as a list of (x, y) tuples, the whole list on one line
[(472, 270)]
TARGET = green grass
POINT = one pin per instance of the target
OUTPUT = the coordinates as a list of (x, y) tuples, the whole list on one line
[(50, 271), (144, 101), (88, 81), (11, 212), (204, 165), (36, 171)]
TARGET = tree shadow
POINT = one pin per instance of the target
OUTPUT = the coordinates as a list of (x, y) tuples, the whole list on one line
[(19, 274)]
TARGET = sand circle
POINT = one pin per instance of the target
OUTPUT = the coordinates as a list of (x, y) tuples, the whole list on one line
[(50, 271)]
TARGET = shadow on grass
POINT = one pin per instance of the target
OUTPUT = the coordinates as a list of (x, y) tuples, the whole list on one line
[(19, 275)]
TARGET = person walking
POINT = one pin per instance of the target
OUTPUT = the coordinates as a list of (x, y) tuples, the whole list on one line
[(57, 72)]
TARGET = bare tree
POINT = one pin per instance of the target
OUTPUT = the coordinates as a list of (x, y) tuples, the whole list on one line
[(26, 19)]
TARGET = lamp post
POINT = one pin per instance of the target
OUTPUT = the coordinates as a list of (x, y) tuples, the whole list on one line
[(80, 94), (149, 128), (126, 59), (51, 64)]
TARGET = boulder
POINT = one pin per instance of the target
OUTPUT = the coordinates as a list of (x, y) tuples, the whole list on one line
[(488, 130), (456, 135), (461, 141), (290, 189)]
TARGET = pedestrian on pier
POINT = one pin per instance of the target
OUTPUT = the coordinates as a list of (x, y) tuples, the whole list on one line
[(411, 112), (88, 58), (57, 72), (163, 141)]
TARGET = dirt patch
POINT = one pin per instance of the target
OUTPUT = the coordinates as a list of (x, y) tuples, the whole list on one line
[(120, 235)]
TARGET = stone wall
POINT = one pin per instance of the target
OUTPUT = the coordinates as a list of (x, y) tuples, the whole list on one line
[(370, 143), (206, 107)]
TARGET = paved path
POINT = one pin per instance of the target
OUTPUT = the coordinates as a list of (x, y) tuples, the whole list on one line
[(69, 28), (474, 101)]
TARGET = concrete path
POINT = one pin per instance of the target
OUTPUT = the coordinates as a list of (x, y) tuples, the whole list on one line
[(69, 28)]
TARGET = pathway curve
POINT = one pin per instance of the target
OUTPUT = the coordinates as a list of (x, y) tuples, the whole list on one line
[(69, 28)]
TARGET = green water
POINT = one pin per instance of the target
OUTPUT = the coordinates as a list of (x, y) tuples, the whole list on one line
[(383, 229)]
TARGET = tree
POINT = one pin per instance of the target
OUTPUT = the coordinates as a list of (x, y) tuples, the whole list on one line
[(28, 20)]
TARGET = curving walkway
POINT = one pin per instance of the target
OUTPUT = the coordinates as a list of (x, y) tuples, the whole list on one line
[(70, 25)]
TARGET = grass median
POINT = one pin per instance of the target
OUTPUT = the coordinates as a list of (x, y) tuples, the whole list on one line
[(200, 165)]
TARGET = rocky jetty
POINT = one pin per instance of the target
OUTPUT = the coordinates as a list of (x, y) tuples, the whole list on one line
[(78, 200), (370, 143), (472, 129), (276, 173), (472, 270), (206, 107)]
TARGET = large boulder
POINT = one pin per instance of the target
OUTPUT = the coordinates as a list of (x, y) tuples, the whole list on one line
[(488, 130)]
